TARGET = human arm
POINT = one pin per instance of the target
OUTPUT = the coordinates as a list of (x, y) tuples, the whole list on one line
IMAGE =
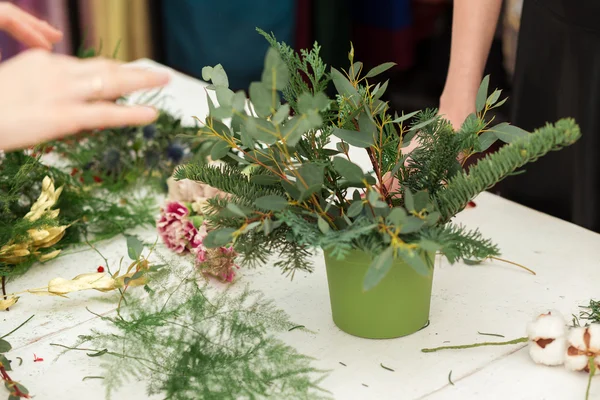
[(473, 26)]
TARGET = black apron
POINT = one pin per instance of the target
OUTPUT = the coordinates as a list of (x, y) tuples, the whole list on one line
[(557, 75)]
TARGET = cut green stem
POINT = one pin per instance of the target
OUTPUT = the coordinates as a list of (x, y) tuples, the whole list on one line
[(468, 346), (592, 368), (17, 328)]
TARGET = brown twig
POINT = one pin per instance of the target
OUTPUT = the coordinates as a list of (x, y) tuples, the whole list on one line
[(375, 165), (4, 289)]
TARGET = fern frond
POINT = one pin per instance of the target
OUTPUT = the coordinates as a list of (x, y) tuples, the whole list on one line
[(493, 168)]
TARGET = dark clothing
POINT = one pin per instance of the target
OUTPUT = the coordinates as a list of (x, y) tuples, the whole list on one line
[(557, 75)]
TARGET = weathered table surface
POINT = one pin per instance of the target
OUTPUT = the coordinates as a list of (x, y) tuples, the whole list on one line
[(493, 297)]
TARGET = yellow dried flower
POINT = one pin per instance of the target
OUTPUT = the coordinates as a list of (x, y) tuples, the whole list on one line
[(42, 238), (39, 238), (48, 256), (96, 280), (9, 302), (14, 253), (45, 201)]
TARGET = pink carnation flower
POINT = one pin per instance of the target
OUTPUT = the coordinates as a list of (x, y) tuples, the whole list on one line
[(175, 210), (174, 228)]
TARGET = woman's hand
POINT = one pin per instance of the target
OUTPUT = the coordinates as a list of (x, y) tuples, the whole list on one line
[(45, 96), (26, 28)]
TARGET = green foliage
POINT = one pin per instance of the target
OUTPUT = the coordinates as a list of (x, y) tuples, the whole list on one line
[(306, 65), (190, 343), (129, 157), (435, 160), (590, 313), (294, 190)]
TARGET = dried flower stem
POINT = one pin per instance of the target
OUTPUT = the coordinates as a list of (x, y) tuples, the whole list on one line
[(468, 346), (513, 263)]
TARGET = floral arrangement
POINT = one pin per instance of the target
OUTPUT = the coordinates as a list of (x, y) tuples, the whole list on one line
[(305, 191), (183, 228)]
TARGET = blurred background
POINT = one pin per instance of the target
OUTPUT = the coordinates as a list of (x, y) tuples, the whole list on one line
[(189, 34)]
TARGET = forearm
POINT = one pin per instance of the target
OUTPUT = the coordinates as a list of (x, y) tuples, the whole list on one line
[(473, 27)]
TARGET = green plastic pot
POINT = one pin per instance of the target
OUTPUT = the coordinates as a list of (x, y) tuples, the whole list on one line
[(397, 306)]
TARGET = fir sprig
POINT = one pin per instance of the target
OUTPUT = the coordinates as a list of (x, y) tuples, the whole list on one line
[(458, 243), (493, 168)]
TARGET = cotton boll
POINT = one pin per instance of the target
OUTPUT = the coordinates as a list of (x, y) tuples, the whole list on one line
[(547, 338), (576, 362), (580, 348), (548, 351), (594, 330), (547, 326), (576, 338)]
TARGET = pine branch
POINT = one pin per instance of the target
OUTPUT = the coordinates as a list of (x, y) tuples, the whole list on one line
[(495, 167)]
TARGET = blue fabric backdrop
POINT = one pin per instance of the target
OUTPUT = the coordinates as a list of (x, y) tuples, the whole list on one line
[(207, 32)]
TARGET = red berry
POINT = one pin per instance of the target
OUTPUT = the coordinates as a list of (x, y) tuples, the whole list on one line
[(74, 171), (100, 268), (472, 204), (97, 179)]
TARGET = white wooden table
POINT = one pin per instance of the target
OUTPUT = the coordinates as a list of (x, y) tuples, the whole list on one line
[(494, 297)]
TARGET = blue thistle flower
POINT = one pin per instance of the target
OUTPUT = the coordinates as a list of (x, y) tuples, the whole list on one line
[(149, 131), (175, 152), (112, 157), (151, 158), (111, 161)]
